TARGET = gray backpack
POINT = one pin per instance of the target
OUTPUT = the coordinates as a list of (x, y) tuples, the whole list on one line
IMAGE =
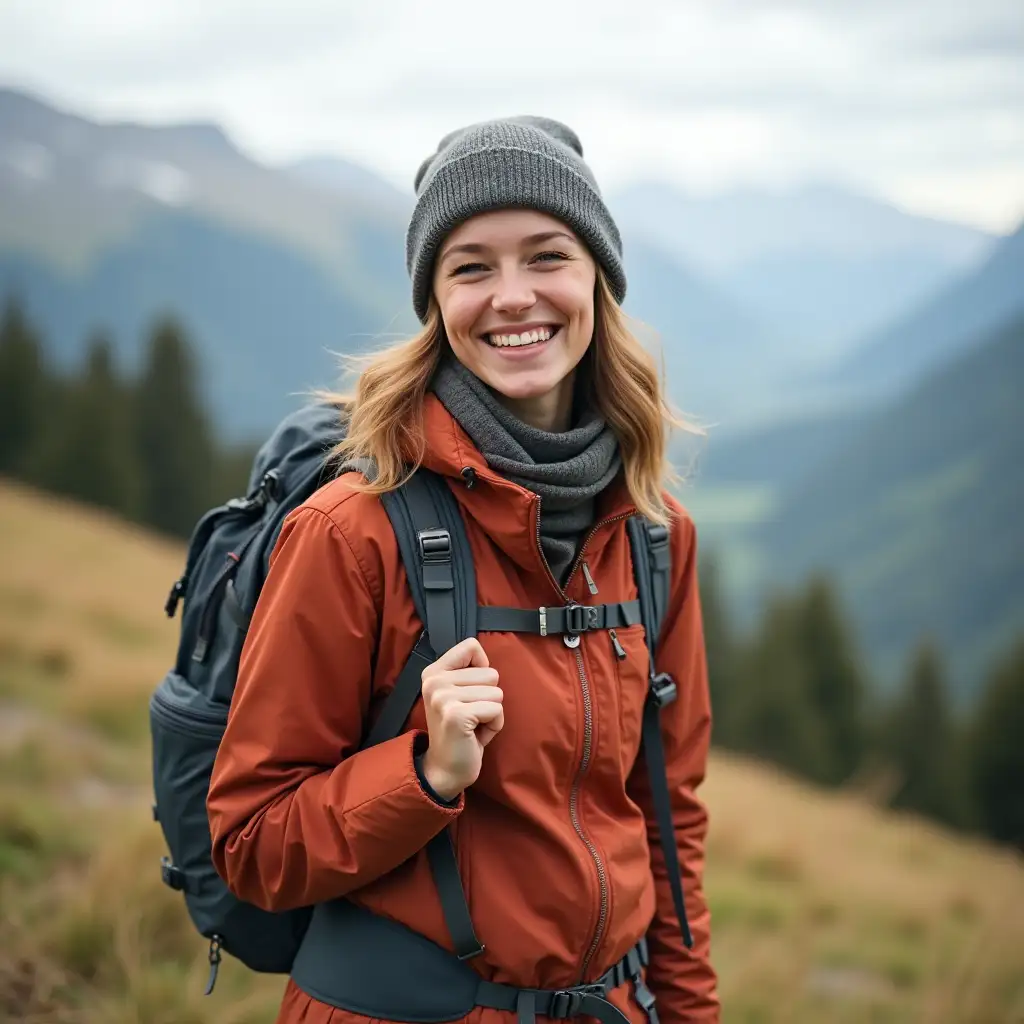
[(225, 568)]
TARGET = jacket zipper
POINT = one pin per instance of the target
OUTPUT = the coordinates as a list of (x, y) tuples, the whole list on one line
[(588, 739), (602, 877)]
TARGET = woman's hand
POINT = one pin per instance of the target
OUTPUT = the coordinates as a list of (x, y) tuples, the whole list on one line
[(462, 700)]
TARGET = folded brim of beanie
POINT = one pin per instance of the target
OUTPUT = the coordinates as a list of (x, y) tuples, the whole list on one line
[(501, 178)]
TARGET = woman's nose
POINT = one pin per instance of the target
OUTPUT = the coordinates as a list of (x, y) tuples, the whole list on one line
[(512, 293)]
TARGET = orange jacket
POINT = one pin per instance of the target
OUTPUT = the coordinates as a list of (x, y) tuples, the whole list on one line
[(556, 841)]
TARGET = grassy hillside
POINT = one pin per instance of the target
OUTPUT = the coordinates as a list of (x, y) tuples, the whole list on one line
[(825, 909), (919, 513)]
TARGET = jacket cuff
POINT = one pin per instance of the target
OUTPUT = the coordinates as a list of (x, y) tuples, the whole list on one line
[(427, 788)]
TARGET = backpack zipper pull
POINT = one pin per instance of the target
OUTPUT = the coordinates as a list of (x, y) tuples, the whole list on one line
[(591, 585), (176, 594), (214, 957), (620, 651)]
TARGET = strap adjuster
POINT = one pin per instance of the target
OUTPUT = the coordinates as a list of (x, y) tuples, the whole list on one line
[(658, 553), (564, 1004), (435, 546), (663, 689), (643, 995), (579, 618), (657, 533), (172, 876), (567, 1002)]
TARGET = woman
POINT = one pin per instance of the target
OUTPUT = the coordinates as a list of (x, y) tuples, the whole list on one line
[(528, 394)]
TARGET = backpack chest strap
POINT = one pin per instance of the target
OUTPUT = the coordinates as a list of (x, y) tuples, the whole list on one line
[(571, 619)]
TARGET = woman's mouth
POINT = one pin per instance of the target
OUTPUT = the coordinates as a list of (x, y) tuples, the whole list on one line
[(523, 340)]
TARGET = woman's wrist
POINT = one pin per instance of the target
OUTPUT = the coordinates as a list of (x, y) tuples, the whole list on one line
[(440, 784)]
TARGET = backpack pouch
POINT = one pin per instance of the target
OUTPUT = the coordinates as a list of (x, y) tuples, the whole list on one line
[(186, 730)]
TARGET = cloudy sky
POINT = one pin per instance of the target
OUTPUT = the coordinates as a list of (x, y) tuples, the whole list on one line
[(920, 101)]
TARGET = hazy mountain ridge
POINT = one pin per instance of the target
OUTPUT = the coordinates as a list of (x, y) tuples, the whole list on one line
[(948, 323), (819, 262), (919, 512)]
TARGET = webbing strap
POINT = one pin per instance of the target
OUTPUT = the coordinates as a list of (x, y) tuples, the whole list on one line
[(654, 754), (399, 702), (578, 1001), (443, 562), (652, 564), (576, 618), (439, 565), (445, 869), (659, 558)]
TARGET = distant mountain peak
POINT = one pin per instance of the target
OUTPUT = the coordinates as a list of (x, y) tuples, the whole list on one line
[(29, 117), (339, 174)]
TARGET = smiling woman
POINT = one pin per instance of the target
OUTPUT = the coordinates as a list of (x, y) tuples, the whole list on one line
[(577, 861), (518, 313)]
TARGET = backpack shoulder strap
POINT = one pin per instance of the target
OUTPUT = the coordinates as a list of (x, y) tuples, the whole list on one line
[(652, 564), (438, 561), (439, 564)]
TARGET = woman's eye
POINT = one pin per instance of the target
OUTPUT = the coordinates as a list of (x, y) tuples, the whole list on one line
[(551, 257), (468, 268)]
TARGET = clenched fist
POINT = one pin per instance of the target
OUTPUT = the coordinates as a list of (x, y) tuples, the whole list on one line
[(462, 701)]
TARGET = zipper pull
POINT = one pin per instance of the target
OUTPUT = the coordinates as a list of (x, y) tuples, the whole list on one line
[(620, 651), (592, 586), (214, 958), (176, 594)]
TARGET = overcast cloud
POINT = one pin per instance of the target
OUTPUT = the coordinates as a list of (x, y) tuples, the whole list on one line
[(921, 101)]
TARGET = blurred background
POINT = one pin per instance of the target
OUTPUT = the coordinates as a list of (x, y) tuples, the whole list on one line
[(203, 205)]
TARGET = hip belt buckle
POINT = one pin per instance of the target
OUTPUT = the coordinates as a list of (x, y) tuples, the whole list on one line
[(567, 1002)]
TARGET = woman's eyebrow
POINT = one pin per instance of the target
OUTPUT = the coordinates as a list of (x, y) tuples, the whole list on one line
[(476, 247)]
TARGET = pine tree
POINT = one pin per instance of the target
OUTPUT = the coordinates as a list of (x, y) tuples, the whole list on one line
[(175, 448), (997, 750), (774, 717), (836, 686), (87, 452), (23, 390), (922, 742), (720, 644)]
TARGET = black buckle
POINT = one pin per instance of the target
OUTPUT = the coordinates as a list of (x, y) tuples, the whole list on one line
[(663, 689), (657, 534), (171, 876), (643, 995), (564, 1004), (567, 1002), (435, 546), (581, 617)]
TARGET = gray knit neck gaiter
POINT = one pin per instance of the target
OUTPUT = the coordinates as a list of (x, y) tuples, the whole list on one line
[(568, 470)]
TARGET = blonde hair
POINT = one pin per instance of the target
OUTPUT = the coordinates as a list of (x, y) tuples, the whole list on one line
[(385, 414)]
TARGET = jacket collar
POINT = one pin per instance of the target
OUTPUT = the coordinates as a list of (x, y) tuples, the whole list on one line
[(506, 512)]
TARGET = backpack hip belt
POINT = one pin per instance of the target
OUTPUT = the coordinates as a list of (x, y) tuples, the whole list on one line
[(348, 961)]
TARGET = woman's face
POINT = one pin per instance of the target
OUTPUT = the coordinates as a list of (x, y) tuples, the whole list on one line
[(516, 293)]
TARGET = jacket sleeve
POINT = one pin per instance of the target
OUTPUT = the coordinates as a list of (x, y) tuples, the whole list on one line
[(298, 814), (682, 979)]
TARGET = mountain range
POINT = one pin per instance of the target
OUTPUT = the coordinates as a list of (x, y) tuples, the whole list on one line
[(918, 513), (791, 323)]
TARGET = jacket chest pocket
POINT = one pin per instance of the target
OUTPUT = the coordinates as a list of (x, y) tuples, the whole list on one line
[(632, 664)]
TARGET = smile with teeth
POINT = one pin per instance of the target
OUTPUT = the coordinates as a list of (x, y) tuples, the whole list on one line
[(519, 340)]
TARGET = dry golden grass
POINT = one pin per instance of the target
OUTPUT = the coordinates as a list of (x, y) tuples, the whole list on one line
[(825, 908)]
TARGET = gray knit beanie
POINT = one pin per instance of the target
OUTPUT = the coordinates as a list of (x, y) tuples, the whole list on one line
[(523, 161)]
